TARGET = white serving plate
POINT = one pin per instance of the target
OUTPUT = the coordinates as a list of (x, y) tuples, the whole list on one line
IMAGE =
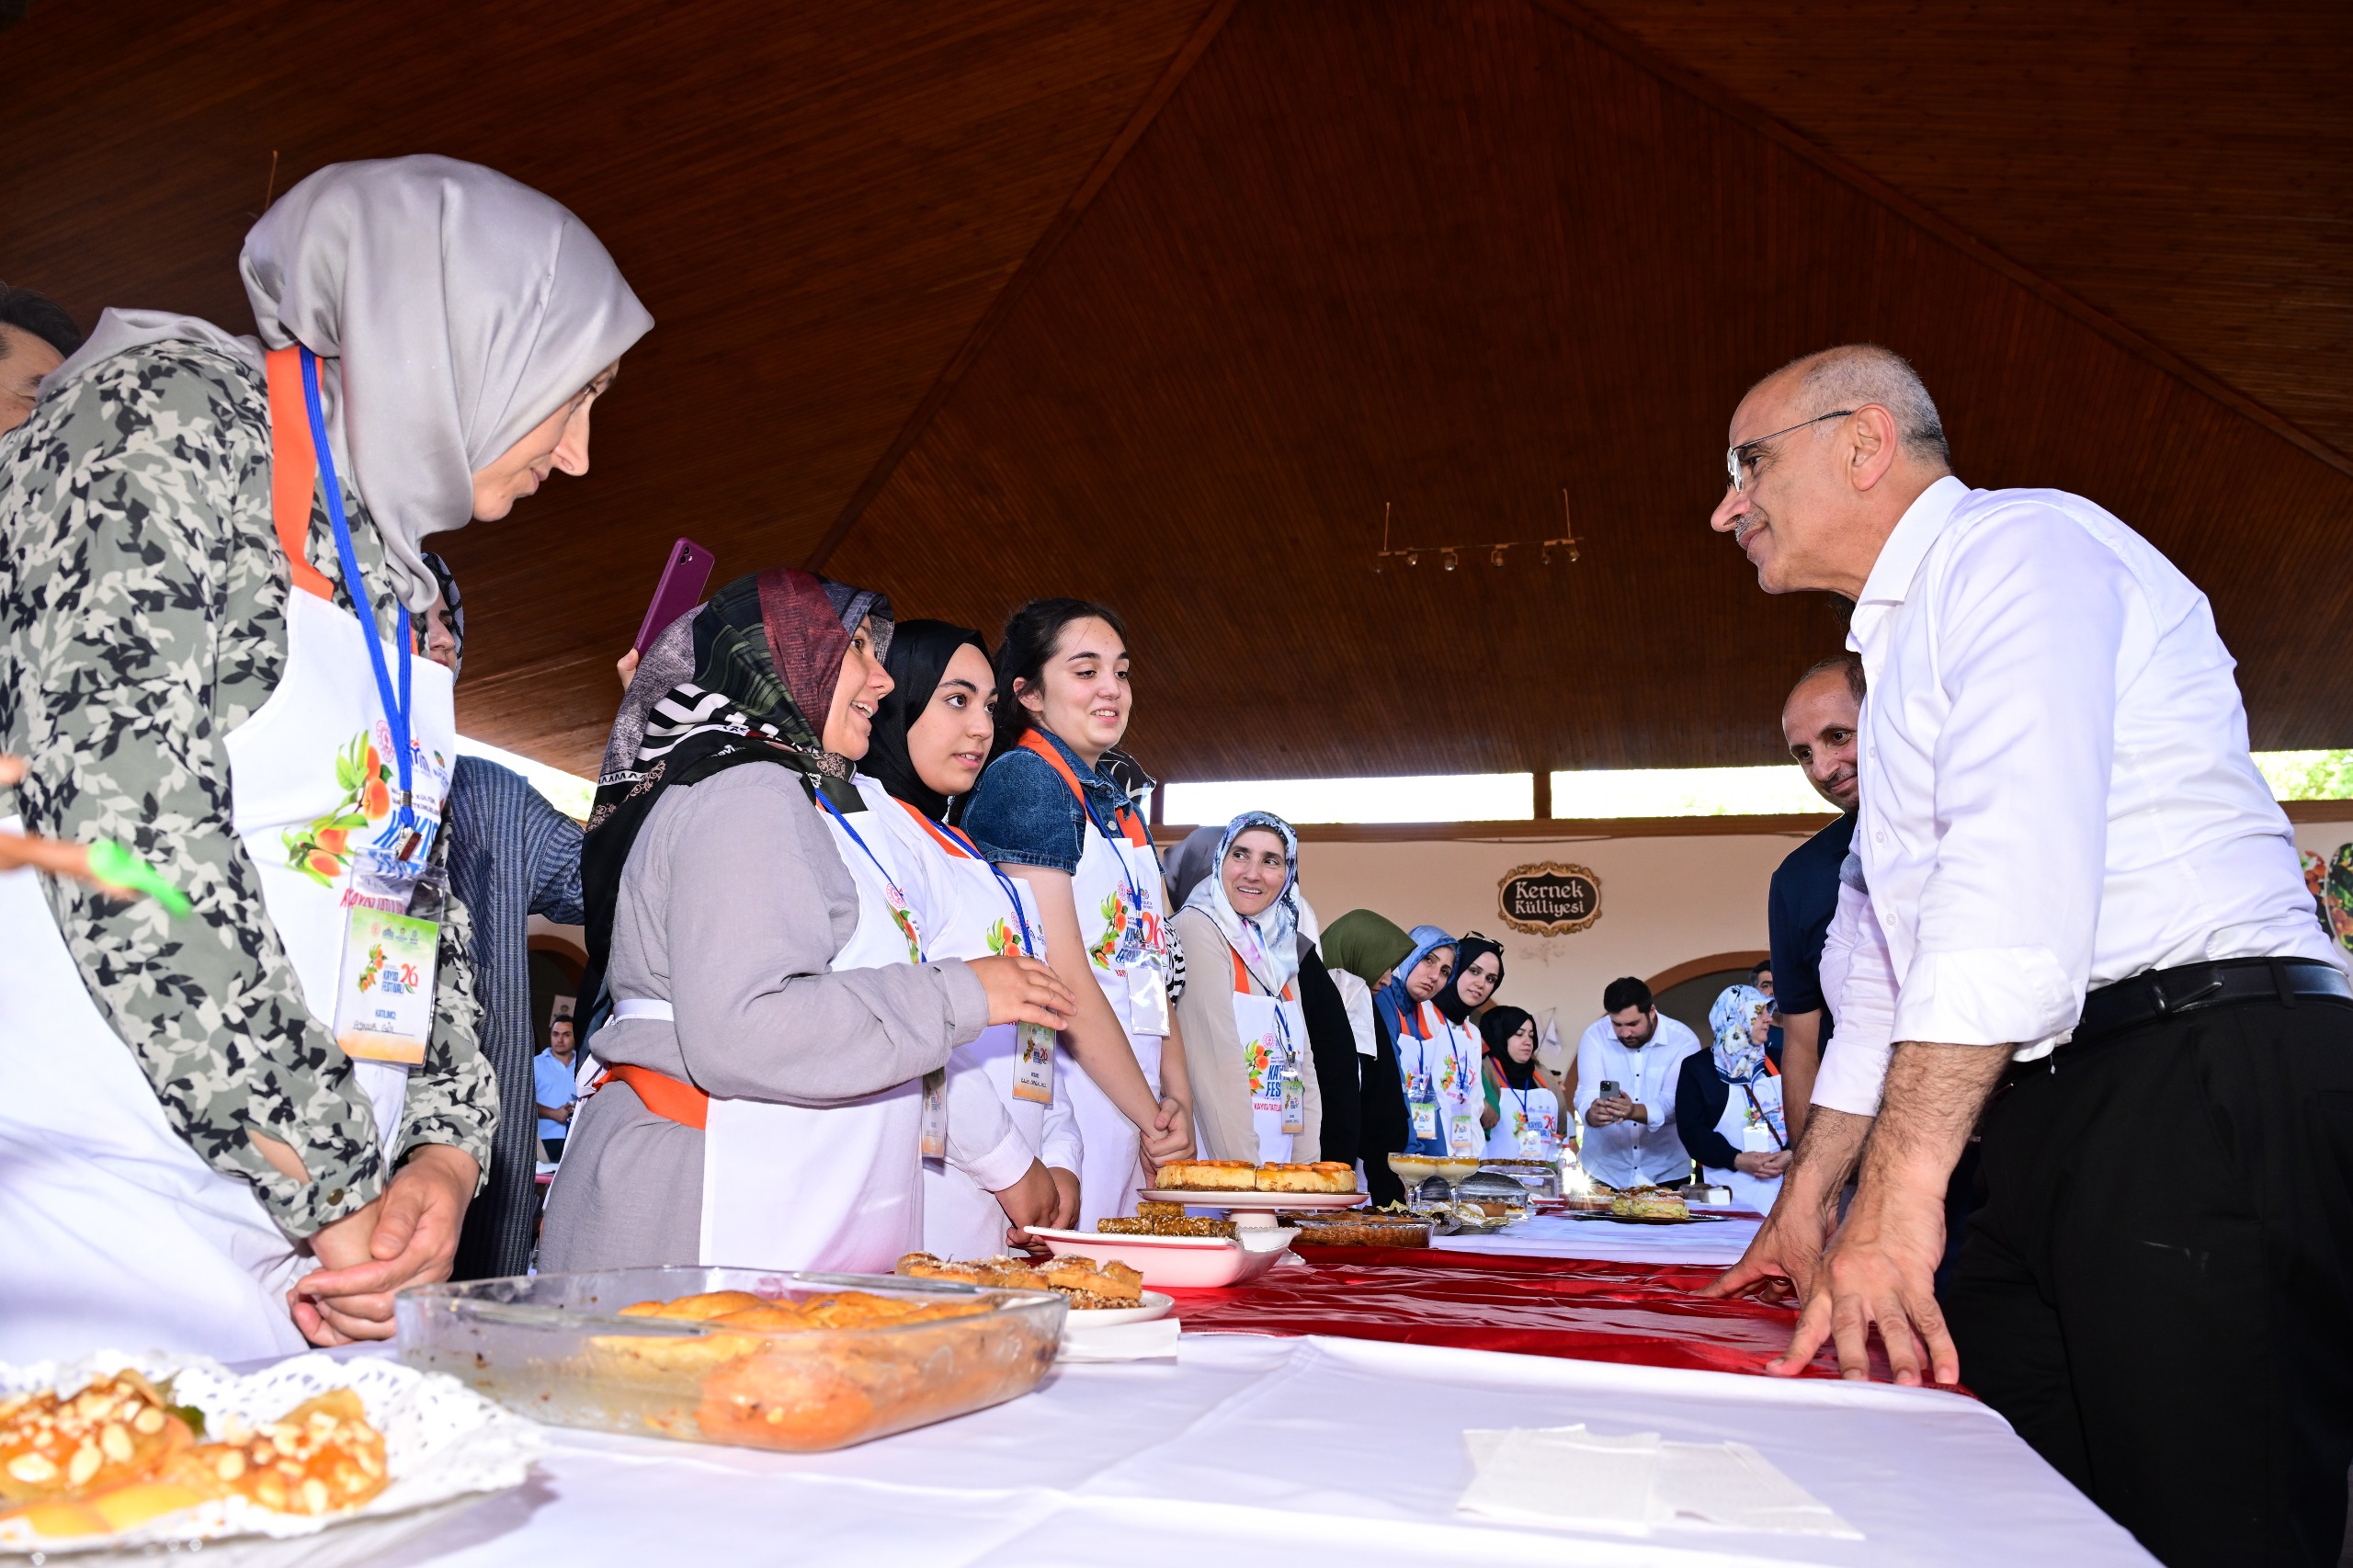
[(1256, 1210), (1184, 1263), (1155, 1306), (447, 1448)]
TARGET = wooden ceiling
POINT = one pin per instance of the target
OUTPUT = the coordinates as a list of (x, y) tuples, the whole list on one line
[(1160, 301)]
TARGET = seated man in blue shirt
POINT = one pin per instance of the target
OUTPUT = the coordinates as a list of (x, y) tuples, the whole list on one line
[(556, 1090), (1819, 722)]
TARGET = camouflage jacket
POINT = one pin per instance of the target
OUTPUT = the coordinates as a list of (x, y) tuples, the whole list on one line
[(143, 617)]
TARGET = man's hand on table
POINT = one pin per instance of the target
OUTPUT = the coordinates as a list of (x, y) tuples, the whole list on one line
[(1881, 1272), (1779, 1264), (406, 1237)]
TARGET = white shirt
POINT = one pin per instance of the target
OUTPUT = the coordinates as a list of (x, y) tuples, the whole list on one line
[(1356, 997), (2056, 787), (1634, 1153)]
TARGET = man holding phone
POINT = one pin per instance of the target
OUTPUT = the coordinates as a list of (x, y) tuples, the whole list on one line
[(1627, 1064)]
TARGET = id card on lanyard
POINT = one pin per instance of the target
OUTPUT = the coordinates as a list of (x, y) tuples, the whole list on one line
[(1033, 1055), (391, 934), (935, 1083), (1537, 1138)]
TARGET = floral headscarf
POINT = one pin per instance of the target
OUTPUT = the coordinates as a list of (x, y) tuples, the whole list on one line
[(1268, 940), (1738, 1057)]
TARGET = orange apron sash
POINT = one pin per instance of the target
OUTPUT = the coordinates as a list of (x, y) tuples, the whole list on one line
[(1129, 823), (665, 1096), (293, 468)]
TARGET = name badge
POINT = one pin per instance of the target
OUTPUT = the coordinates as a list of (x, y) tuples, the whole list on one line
[(1294, 1101), (935, 1114), (1033, 1064), (383, 1005), (1425, 1118), (1464, 1138), (1147, 999), (1756, 1139)]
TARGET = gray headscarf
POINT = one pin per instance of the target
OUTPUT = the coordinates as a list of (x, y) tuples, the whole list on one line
[(452, 309)]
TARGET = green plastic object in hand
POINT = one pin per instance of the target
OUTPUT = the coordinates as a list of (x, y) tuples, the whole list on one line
[(113, 863)]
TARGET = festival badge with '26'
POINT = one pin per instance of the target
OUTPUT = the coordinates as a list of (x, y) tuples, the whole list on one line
[(385, 1002)]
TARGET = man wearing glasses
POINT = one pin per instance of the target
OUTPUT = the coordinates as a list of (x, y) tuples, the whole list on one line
[(2085, 920)]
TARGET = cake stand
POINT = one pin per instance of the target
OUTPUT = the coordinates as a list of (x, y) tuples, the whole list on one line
[(1255, 1211)]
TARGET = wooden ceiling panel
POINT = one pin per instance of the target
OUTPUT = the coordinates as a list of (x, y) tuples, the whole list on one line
[(817, 202), (2186, 169), (1038, 296), (1457, 257)]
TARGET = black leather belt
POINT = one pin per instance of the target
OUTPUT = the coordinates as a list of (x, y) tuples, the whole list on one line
[(2194, 987)]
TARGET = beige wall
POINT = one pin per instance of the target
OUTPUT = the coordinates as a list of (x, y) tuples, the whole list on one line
[(1663, 901)]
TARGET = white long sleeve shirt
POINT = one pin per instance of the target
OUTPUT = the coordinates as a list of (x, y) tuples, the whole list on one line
[(1631, 1153), (2056, 787)]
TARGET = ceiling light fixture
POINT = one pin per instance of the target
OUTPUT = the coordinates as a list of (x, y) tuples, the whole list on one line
[(1451, 555)]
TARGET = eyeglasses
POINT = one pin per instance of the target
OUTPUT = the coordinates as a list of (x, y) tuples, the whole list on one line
[(1736, 463)]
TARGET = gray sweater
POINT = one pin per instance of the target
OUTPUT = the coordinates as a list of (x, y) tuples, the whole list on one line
[(733, 905)]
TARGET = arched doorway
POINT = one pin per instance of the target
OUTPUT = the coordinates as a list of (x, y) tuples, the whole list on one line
[(1686, 991)]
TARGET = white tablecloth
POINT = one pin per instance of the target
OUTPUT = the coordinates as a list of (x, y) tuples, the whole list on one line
[(1718, 1241), (1289, 1451)]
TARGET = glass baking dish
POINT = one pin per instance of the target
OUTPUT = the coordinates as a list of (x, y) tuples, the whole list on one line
[(555, 1347)]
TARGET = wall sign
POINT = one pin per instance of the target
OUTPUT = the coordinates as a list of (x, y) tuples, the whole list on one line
[(1548, 899)]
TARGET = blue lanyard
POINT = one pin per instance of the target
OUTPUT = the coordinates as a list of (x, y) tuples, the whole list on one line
[(397, 715), (1012, 894), (1135, 889), (888, 879), (1421, 1042)]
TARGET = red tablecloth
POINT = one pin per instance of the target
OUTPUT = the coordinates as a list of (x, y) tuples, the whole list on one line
[(1587, 1310)]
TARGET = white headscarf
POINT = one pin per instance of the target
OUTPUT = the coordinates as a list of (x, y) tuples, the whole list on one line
[(452, 309), (1267, 941)]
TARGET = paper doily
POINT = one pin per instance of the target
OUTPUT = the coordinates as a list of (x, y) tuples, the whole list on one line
[(443, 1442)]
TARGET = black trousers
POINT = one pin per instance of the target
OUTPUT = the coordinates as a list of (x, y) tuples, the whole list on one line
[(2156, 1288)]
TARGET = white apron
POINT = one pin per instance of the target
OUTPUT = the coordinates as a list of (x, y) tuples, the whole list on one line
[(1751, 1127), (1273, 1032), (115, 1233), (975, 911), (1440, 1065), (1122, 909), (832, 1188), (1529, 1125)]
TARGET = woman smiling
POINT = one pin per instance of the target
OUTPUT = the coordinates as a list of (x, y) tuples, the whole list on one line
[(1254, 1086), (1012, 1147), (775, 1012), (1047, 816)]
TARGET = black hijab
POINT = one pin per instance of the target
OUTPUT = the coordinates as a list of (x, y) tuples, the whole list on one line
[(918, 658), (1466, 953), (1496, 1025)]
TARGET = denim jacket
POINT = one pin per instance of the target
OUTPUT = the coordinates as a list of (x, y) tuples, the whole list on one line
[(1022, 813)]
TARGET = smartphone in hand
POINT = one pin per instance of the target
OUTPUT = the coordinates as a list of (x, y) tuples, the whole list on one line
[(684, 577)]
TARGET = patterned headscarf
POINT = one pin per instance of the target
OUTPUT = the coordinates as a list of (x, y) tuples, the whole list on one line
[(453, 604), (1268, 940), (1738, 1057), (765, 655)]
